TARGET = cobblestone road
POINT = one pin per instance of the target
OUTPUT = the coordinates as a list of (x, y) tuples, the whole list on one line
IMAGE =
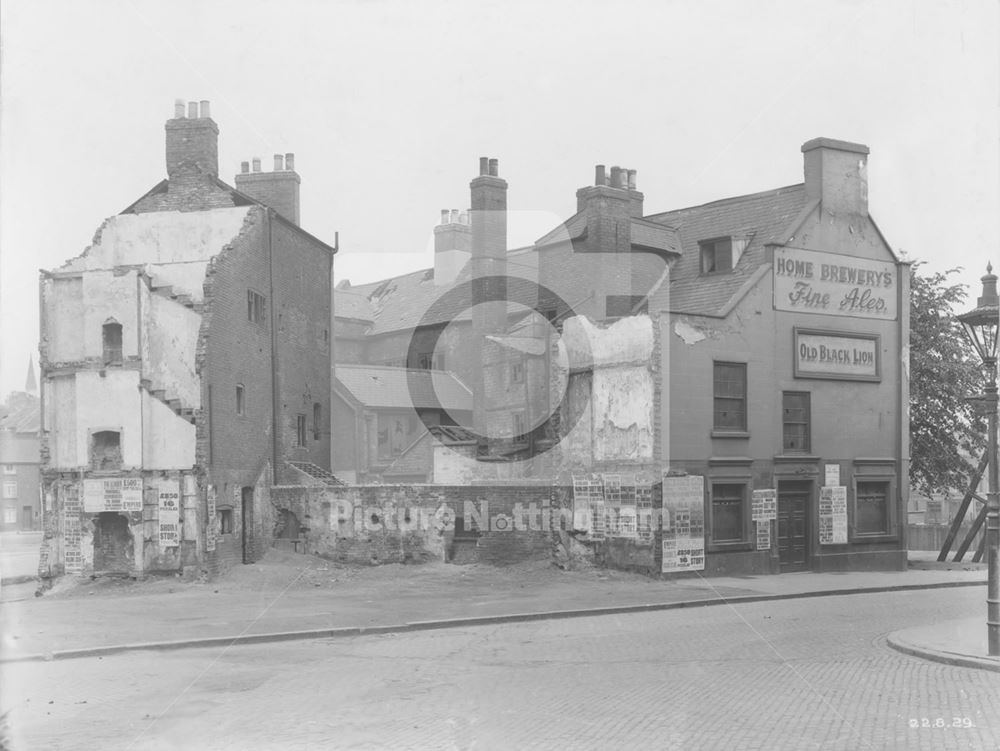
[(797, 674)]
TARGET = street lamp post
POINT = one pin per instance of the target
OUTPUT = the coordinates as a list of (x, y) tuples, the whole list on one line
[(981, 326)]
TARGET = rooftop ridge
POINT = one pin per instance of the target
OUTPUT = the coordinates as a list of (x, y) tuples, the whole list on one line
[(732, 199)]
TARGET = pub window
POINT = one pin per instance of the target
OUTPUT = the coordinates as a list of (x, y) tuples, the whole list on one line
[(317, 417), (300, 430), (255, 306), (716, 255), (112, 339), (728, 513), (241, 399), (871, 507), (795, 421), (730, 396)]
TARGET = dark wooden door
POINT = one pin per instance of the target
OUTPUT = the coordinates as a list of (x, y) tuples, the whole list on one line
[(794, 499)]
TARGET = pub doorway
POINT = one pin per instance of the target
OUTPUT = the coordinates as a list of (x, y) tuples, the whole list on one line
[(794, 500)]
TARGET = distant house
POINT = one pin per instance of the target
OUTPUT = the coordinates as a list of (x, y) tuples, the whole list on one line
[(20, 463), (381, 414)]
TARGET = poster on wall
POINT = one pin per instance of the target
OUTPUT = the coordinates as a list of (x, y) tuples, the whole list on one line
[(211, 526), (169, 514), (832, 473), (683, 523), (833, 515), (112, 494), (764, 509)]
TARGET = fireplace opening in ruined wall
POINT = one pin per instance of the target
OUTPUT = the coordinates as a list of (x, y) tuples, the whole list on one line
[(113, 545), (106, 450)]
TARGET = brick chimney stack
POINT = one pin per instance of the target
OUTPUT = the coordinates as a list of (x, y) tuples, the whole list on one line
[(489, 245), (192, 140), (452, 245), (609, 206), (278, 189), (836, 173)]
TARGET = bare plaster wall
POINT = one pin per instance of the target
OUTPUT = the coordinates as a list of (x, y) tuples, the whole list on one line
[(172, 333), (168, 440)]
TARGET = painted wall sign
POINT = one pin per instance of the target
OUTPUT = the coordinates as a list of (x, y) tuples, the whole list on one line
[(833, 515), (683, 523), (113, 494), (169, 514), (807, 281), (837, 354)]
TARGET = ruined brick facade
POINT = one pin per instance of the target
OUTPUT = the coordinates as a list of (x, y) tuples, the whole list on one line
[(186, 358)]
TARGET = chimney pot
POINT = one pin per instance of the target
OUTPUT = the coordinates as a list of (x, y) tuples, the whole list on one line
[(484, 165), (616, 177), (279, 162), (495, 167), (203, 108), (193, 110), (244, 167), (454, 216), (289, 161), (600, 175), (631, 179), (444, 216), (463, 218), (178, 108), (256, 164)]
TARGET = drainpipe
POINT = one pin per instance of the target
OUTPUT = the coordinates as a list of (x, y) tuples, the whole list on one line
[(142, 369), (331, 344), (275, 391)]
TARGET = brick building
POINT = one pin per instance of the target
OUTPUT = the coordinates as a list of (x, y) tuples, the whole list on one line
[(185, 363), (20, 460), (740, 365)]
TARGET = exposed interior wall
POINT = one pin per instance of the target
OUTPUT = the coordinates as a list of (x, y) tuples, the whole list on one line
[(171, 330), (160, 237)]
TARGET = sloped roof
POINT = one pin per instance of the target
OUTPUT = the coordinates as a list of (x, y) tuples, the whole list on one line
[(386, 387), (21, 414), (417, 459), (348, 303), (760, 217)]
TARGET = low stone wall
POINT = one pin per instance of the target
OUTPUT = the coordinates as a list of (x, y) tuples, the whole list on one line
[(499, 524)]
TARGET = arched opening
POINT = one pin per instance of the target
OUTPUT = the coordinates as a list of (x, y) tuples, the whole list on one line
[(112, 339), (106, 450), (113, 545)]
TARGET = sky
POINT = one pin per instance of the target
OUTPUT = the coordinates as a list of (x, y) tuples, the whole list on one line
[(388, 106)]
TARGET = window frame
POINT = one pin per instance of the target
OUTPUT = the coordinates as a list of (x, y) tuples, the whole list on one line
[(10, 469), (891, 527), (807, 422), (241, 400), (10, 489), (723, 431), (300, 430), (711, 246), (746, 541), (112, 355), (256, 307), (517, 372)]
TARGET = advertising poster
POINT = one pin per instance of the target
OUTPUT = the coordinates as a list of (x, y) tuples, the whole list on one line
[(833, 515), (169, 514), (211, 526), (683, 523), (764, 509), (112, 494)]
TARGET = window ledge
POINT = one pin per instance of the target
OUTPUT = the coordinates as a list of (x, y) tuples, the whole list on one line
[(866, 539), (730, 434), (729, 547)]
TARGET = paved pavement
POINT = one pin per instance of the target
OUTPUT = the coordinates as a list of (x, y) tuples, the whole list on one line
[(19, 554), (295, 597), (793, 674)]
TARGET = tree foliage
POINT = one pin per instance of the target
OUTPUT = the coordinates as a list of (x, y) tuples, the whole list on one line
[(947, 437)]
